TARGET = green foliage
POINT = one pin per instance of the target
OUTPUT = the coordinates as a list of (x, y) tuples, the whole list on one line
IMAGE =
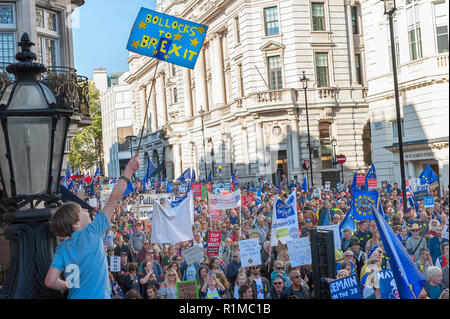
[(86, 146)]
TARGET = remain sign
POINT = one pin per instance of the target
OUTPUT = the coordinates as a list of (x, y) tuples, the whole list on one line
[(187, 289)]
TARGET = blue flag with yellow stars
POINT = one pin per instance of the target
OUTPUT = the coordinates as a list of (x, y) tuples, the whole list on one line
[(407, 276), (428, 176), (167, 38), (361, 206)]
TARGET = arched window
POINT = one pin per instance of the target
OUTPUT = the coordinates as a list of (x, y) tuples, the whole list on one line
[(326, 150)]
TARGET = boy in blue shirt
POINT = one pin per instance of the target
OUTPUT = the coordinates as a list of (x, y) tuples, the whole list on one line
[(81, 256)]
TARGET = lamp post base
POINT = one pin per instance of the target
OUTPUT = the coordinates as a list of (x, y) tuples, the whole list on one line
[(32, 245)]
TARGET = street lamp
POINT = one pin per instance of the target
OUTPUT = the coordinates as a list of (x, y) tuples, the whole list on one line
[(334, 143), (389, 9), (202, 113), (33, 131), (305, 81)]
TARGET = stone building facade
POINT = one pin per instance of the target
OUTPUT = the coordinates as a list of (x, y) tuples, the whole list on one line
[(421, 42), (247, 83)]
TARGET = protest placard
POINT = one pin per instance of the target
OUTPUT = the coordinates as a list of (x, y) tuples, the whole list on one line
[(255, 234), (445, 231), (247, 200), (204, 192), (145, 203), (429, 202), (187, 289), (327, 186), (213, 243), (316, 193), (340, 187), (168, 38), (250, 253), (223, 187), (421, 191), (105, 193), (197, 189), (360, 179), (345, 288), (336, 234), (93, 202), (388, 287), (224, 201), (182, 188), (214, 214), (299, 250), (114, 264), (192, 255)]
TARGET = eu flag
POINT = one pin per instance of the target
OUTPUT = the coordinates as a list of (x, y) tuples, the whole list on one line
[(428, 176), (193, 176), (129, 189), (407, 276), (150, 169), (186, 175), (347, 222), (371, 178), (305, 185), (209, 177), (361, 205), (168, 189), (354, 185), (258, 194)]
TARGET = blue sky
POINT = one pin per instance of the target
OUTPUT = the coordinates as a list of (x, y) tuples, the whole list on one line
[(101, 36)]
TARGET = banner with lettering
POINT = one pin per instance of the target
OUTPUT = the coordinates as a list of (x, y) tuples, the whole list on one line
[(197, 189), (167, 38), (345, 288), (250, 252), (213, 243), (388, 287), (247, 200)]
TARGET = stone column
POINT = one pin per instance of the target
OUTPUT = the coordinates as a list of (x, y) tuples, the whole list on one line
[(218, 80), (201, 93), (161, 101), (294, 144), (260, 148), (143, 104), (187, 93), (351, 44), (169, 162), (154, 117), (244, 136)]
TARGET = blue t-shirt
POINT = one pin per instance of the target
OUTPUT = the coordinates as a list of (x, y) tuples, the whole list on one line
[(84, 253)]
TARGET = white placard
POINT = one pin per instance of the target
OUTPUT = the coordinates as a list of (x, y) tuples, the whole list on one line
[(336, 234), (250, 253), (327, 185), (192, 255), (114, 263), (317, 193), (299, 251), (93, 202), (445, 231)]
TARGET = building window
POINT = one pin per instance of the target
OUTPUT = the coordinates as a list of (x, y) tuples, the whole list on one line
[(237, 27), (7, 13), (48, 37), (318, 16), (271, 21), (358, 68), (175, 95), (441, 24), (414, 33), (326, 149), (174, 70), (354, 20), (276, 80), (7, 34), (123, 142), (241, 80), (322, 69), (395, 128)]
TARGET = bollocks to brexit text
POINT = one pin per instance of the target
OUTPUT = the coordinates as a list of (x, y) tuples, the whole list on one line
[(168, 38)]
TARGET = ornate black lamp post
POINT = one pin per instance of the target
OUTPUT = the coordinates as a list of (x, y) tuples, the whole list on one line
[(305, 81), (389, 9), (33, 130)]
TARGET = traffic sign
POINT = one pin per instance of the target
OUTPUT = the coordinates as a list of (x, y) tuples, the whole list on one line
[(306, 164), (341, 159)]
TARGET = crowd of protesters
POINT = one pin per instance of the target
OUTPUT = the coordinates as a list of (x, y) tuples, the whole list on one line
[(151, 271)]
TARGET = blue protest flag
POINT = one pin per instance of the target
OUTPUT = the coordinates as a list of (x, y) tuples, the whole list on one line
[(193, 176), (388, 190), (370, 176), (150, 169), (91, 190), (169, 189), (129, 189), (168, 38), (428, 176), (259, 193), (347, 222), (70, 186), (305, 185), (209, 177), (361, 201), (408, 277), (186, 175), (68, 172), (354, 185), (97, 172)]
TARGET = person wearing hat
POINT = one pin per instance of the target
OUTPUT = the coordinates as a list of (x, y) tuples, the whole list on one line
[(363, 234), (360, 256), (415, 242)]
